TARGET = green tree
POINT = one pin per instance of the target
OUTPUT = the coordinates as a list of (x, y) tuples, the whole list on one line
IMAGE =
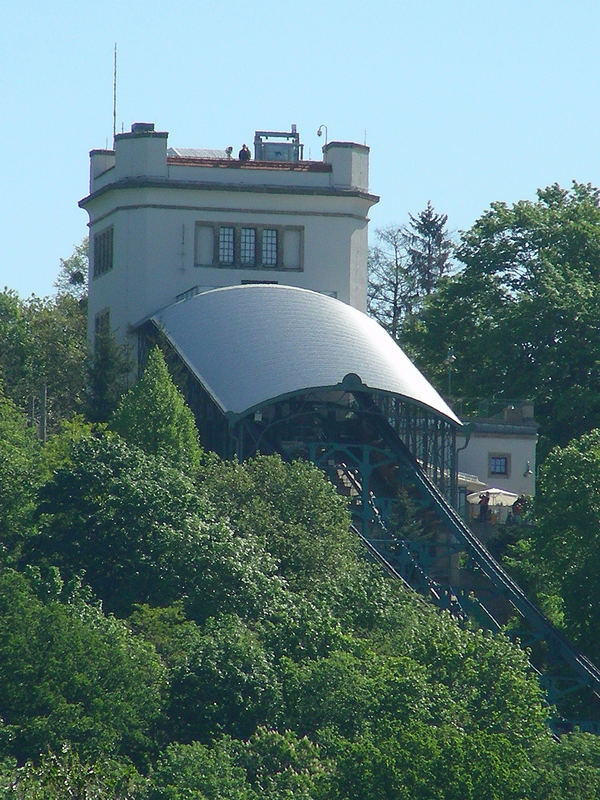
[(406, 266), (21, 473), (419, 762), (283, 764), (154, 416), (72, 276), (292, 510), (59, 446), (143, 533), (488, 680), (65, 775), (59, 356), (43, 355), (269, 765), (195, 770), (429, 249), (70, 674), (108, 375), (522, 314), (352, 691), (563, 545), (13, 342), (228, 683), (569, 768)]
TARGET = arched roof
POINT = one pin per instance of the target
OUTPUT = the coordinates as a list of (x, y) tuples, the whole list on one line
[(251, 344)]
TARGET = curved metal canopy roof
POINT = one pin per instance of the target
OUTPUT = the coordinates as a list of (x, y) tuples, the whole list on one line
[(251, 344)]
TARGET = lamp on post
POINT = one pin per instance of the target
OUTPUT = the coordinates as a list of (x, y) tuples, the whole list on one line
[(320, 131), (450, 359)]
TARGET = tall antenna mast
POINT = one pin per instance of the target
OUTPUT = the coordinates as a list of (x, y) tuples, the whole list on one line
[(115, 95)]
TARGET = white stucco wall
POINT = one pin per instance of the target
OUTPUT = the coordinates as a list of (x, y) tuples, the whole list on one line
[(520, 449)]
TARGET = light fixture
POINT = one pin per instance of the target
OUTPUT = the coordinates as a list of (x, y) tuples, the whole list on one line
[(528, 470), (449, 361), (320, 131)]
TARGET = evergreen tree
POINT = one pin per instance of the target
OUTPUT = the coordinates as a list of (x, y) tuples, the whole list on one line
[(109, 368), (428, 247), (406, 266), (154, 416)]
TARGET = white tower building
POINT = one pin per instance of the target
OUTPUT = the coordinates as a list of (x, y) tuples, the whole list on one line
[(168, 223)]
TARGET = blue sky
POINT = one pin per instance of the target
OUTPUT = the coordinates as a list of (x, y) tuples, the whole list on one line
[(462, 103)]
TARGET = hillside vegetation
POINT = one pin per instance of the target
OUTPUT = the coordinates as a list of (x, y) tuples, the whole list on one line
[(174, 626), (177, 627)]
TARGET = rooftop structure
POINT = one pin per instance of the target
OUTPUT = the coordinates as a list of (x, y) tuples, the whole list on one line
[(253, 345)]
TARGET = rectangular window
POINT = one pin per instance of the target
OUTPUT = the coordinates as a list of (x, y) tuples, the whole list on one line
[(269, 247), (498, 465), (226, 245), (248, 247), (103, 252)]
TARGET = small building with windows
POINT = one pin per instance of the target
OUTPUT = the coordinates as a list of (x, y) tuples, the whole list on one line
[(500, 449), (167, 223)]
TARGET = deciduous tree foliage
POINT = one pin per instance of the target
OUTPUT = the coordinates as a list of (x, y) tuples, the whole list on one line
[(21, 473), (66, 775), (142, 533), (267, 766), (292, 509), (563, 545), (43, 351), (72, 276), (339, 692), (257, 653), (70, 673), (228, 683), (522, 313), (571, 770)]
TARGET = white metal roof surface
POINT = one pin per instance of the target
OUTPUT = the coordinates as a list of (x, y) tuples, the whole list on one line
[(250, 344)]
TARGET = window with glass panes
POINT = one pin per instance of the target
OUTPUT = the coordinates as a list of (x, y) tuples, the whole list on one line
[(103, 252), (498, 465), (269, 247), (226, 245), (248, 247)]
